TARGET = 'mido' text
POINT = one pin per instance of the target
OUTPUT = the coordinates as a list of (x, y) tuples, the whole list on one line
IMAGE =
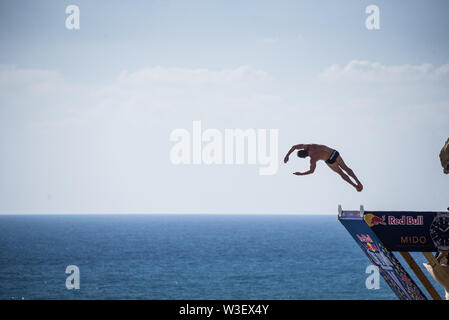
[(233, 146)]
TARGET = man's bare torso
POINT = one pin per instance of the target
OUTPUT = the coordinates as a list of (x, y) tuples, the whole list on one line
[(318, 151)]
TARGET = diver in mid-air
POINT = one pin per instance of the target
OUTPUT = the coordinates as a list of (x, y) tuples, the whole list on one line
[(332, 158)]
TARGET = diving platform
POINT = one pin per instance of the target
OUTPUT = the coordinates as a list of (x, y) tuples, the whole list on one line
[(381, 233)]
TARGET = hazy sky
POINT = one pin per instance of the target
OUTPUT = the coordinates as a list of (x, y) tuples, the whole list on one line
[(86, 115)]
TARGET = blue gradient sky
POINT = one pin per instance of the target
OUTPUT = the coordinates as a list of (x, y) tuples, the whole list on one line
[(85, 117)]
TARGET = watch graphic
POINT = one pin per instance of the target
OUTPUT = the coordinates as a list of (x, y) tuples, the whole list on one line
[(439, 231)]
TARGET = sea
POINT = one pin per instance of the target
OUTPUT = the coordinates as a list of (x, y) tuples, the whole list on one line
[(176, 256)]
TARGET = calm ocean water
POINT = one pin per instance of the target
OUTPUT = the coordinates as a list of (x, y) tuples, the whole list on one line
[(182, 257)]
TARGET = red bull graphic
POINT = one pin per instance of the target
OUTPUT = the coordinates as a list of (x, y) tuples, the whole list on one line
[(364, 238), (406, 221), (367, 242), (403, 230), (360, 227), (373, 220)]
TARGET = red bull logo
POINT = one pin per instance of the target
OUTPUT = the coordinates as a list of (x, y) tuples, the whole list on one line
[(370, 246), (406, 221), (364, 238), (372, 220), (367, 242)]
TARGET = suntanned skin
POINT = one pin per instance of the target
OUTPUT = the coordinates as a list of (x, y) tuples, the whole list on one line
[(321, 152)]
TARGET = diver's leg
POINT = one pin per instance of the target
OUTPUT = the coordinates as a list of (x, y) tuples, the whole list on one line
[(334, 166), (343, 166)]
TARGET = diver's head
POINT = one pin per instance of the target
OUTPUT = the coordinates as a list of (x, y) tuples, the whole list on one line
[(303, 153)]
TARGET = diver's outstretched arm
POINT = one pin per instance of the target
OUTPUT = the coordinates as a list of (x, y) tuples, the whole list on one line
[(295, 147), (312, 169)]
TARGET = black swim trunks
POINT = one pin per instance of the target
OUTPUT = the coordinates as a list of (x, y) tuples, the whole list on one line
[(333, 157)]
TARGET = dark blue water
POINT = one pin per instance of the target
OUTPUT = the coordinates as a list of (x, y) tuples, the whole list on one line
[(182, 257)]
